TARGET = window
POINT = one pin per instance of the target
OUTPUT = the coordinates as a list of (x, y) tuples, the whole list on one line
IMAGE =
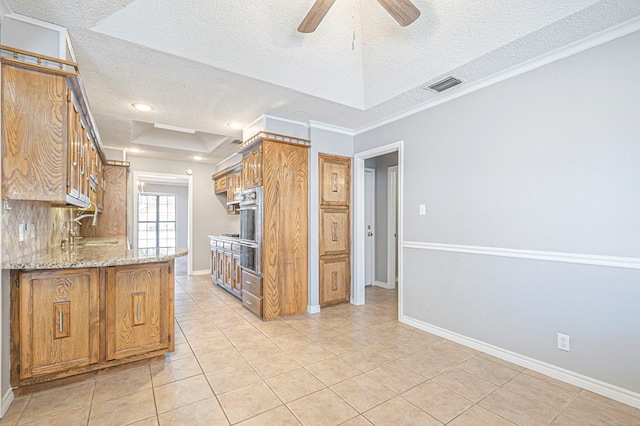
[(156, 220)]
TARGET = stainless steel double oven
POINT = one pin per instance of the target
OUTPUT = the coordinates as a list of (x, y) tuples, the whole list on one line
[(251, 208)]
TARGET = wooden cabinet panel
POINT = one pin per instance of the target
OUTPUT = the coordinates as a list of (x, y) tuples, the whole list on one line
[(113, 219), (56, 323), (335, 280), (335, 228), (336, 178), (137, 309), (236, 278), (34, 135), (252, 163)]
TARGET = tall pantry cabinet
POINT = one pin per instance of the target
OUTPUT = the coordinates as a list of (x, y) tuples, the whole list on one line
[(335, 229), (280, 164)]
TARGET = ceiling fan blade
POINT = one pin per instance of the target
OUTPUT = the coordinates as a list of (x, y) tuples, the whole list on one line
[(315, 15), (402, 11)]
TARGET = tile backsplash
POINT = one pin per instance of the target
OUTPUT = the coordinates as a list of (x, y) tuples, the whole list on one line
[(44, 227)]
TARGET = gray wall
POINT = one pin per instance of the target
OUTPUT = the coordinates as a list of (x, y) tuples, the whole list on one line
[(182, 206), (546, 161), (381, 165), (209, 211)]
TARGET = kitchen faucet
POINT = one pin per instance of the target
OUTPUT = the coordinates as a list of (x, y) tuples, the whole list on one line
[(71, 223)]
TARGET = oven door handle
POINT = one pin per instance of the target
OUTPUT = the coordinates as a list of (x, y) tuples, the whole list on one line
[(248, 243)]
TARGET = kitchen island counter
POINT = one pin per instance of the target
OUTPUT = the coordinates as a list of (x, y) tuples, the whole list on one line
[(90, 253)]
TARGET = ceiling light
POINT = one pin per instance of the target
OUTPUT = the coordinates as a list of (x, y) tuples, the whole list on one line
[(197, 157), (141, 107), (134, 150), (173, 128), (235, 125)]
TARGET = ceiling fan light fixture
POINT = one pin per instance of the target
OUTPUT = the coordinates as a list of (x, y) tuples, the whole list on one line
[(444, 84)]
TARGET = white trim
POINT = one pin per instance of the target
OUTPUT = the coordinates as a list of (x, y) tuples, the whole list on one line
[(285, 120), (372, 260), (313, 309), (583, 259), (602, 388), (134, 225), (201, 272), (330, 128), (516, 70), (357, 295), (7, 399), (383, 284), (392, 218)]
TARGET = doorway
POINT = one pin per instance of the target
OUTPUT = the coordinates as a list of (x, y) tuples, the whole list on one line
[(360, 227), (162, 185)]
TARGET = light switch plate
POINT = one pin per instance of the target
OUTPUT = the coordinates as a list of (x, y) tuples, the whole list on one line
[(423, 209)]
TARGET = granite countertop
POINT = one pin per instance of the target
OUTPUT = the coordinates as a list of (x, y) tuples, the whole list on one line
[(95, 252)]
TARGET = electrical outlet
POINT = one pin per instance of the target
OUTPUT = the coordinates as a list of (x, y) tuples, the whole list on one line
[(21, 228), (564, 342)]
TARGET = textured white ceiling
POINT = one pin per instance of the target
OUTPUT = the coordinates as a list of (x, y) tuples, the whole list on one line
[(202, 64)]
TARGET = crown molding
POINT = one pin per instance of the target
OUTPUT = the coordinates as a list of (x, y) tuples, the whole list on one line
[(566, 51), (330, 128)]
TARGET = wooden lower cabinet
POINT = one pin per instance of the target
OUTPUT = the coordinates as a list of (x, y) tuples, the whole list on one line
[(225, 265), (67, 322), (138, 315), (335, 280), (55, 322)]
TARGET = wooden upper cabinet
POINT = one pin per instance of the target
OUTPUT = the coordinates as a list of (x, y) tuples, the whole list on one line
[(252, 168), (55, 321), (336, 178), (48, 149), (34, 135)]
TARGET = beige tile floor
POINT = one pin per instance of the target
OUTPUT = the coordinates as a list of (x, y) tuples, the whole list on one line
[(351, 365)]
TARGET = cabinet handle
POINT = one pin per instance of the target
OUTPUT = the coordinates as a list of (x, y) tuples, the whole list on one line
[(335, 231), (334, 278), (138, 311), (247, 302), (60, 326)]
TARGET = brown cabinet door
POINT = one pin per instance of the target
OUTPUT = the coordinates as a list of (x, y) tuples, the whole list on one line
[(59, 320), (336, 178), (34, 135), (252, 168), (138, 311), (335, 228), (335, 280), (236, 278)]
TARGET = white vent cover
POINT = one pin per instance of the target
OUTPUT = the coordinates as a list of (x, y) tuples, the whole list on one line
[(444, 84)]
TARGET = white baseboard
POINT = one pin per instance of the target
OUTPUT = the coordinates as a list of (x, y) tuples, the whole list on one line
[(201, 272), (313, 309), (602, 388), (383, 285), (7, 399)]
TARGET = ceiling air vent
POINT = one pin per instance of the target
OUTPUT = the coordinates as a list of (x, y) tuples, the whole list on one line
[(444, 84), (235, 142)]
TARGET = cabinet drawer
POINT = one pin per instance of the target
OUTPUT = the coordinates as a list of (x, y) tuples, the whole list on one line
[(251, 283), (252, 303)]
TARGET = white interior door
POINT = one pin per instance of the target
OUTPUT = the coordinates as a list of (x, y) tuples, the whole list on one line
[(369, 221)]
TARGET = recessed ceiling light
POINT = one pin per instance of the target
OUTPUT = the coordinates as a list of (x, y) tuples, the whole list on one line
[(235, 125), (134, 150), (173, 128), (141, 107), (197, 157)]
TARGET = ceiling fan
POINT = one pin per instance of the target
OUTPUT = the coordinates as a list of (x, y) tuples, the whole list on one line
[(403, 11)]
